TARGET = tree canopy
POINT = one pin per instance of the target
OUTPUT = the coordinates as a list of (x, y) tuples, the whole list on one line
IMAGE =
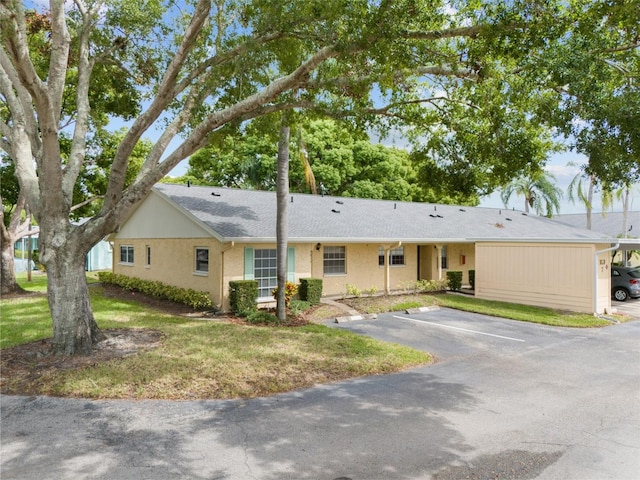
[(344, 162)]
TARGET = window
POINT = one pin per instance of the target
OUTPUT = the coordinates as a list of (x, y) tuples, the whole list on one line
[(126, 254), (444, 257), (148, 257), (396, 256), (265, 271), (335, 260), (202, 260)]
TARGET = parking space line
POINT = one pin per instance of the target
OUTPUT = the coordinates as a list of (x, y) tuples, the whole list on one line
[(458, 328)]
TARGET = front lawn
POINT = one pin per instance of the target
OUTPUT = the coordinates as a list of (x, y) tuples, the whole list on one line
[(195, 358)]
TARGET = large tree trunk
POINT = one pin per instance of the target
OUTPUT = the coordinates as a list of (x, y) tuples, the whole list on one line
[(74, 328), (282, 218)]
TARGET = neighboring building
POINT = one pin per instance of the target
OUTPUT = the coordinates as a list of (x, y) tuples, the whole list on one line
[(612, 225), (204, 237), (100, 257)]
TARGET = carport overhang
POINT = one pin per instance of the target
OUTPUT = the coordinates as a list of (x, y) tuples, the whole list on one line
[(628, 244)]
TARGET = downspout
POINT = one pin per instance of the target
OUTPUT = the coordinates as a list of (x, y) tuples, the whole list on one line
[(224, 249), (387, 270), (595, 275)]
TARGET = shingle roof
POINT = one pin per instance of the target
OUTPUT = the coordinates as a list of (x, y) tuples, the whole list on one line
[(249, 215), (609, 224)]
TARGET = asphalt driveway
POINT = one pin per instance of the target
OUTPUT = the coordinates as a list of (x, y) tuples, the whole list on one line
[(505, 400)]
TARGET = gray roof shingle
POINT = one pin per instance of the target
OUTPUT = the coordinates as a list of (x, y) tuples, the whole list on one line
[(249, 215), (610, 224)]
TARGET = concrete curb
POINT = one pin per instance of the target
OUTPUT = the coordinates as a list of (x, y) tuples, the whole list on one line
[(432, 308), (353, 318)]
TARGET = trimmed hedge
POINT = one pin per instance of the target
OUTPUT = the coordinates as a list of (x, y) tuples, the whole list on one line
[(472, 279), (243, 296), (310, 290), (454, 280), (186, 296)]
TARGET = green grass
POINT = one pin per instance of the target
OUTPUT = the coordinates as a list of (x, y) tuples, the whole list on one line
[(525, 313), (202, 358)]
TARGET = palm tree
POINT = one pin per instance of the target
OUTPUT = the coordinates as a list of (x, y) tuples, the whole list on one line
[(585, 197), (539, 190)]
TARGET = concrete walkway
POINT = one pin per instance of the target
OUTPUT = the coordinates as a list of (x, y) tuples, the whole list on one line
[(345, 308), (350, 314)]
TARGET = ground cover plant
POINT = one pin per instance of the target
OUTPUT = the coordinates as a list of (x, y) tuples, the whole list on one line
[(160, 351)]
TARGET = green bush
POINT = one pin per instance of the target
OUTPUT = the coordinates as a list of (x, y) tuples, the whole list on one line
[(353, 290), (425, 286), (186, 296), (472, 279), (261, 317), (454, 280), (310, 290), (243, 296)]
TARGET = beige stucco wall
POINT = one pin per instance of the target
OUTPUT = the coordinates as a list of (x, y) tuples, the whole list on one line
[(455, 260), (363, 270), (553, 275), (172, 262)]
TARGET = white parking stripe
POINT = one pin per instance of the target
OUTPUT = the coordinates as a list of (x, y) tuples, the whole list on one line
[(458, 328)]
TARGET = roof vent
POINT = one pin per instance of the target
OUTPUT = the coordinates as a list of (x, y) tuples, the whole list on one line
[(335, 211)]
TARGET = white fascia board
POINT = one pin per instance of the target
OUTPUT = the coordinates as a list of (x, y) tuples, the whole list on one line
[(349, 240), (545, 240)]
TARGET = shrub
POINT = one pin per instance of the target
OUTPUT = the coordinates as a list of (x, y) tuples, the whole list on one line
[(262, 317), (243, 296), (472, 279), (353, 290), (454, 280), (424, 286), (371, 291), (186, 296), (290, 289), (310, 290)]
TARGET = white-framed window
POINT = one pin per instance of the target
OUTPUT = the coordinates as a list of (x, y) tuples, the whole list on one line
[(265, 270), (444, 257), (202, 260), (334, 260), (147, 256), (126, 254), (396, 256)]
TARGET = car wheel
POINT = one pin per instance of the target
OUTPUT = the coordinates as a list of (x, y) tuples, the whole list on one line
[(620, 294)]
